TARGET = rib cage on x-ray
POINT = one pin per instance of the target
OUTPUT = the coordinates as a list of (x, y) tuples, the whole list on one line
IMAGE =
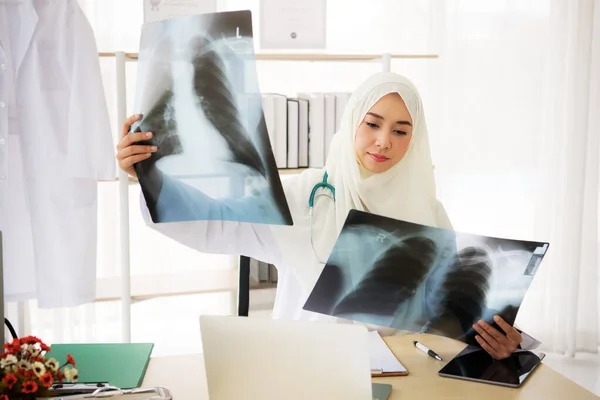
[(214, 99), (198, 94), (466, 285), (160, 119), (423, 279), (396, 275), (385, 285)]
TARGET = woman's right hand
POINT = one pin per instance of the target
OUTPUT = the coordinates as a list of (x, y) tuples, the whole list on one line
[(129, 153)]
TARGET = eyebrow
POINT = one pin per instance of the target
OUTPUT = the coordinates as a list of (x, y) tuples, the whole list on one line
[(372, 114)]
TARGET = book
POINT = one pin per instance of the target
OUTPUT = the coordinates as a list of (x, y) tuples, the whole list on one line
[(316, 128), (293, 134)]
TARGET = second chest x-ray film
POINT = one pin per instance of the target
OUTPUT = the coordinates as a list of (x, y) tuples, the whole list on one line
[(197, 90), (408, 276)]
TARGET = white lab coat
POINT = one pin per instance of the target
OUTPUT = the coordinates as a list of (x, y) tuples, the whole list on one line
[(55, 143)]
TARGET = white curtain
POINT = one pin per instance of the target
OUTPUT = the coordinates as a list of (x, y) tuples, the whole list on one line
[(565, 304), (512, 105), (516, 129)]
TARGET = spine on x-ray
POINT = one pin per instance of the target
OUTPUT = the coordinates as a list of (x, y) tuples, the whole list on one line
[(212, 88)]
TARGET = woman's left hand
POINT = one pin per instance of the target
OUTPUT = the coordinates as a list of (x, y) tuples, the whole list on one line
[(498, 344)]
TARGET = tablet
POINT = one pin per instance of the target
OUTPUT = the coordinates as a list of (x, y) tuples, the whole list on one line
[(475, 364)]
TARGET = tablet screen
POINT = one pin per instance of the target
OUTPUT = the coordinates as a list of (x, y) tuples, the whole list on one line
[(473, 363)]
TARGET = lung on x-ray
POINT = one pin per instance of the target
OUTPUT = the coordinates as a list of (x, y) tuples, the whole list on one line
[(197, 90), (408, 276)]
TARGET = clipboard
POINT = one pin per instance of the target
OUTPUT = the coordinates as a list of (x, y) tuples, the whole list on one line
[(383, 361)]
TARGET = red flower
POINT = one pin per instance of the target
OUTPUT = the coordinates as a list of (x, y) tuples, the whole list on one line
[(9, 380), (41, 359), (60, 376), (30, 340), (46, 379), (29, 387), (70, 360), (4, 397), (27, 374), (45, 347), (13, 347)]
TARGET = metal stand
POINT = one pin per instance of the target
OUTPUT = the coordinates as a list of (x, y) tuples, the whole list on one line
[(123, 208)]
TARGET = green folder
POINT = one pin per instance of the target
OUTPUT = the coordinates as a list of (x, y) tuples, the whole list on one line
[(119, 364)]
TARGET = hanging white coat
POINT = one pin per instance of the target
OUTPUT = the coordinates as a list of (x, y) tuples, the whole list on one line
[(55, 143)]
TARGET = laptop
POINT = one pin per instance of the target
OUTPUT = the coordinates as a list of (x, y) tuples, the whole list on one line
[(256, 358)]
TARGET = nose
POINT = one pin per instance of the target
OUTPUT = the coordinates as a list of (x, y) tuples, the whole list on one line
[(383, 139)]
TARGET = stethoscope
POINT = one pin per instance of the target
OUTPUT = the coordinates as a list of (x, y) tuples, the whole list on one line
[(324, 185)]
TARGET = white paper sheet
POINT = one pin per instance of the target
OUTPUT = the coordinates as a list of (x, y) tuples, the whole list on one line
[(381, 356)]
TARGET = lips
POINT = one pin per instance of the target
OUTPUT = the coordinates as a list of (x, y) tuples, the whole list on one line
[(378, 157)]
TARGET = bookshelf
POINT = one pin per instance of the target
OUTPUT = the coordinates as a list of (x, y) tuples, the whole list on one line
[(138, 289), (273, 56)]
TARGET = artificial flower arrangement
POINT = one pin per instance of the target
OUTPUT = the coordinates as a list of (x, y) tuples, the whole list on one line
[(26, 372)]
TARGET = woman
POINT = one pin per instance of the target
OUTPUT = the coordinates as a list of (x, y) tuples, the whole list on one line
[(379, 162)]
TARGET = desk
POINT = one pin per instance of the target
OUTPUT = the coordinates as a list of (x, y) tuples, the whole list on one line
[(184, 376)]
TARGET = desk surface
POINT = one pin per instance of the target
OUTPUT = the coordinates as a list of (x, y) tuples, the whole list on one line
[(184, 376)]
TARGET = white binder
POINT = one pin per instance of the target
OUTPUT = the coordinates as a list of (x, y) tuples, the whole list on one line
[(329, 120), (277, 125), (341, 99), (302, 133), (316, 128), (293, 109)]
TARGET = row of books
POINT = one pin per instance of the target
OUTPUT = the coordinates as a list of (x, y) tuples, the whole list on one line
[(262, 273), (300, 128)]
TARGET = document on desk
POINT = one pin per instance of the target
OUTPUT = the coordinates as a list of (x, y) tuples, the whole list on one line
[(383, 361)]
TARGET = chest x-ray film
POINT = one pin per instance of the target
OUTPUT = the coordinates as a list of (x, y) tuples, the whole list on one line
[(407, 276), (197, 91)]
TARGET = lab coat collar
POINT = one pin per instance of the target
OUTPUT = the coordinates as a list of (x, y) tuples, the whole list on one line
[(29, 19)]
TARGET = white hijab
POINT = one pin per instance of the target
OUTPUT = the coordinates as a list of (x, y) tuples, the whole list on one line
[(407, 190)]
